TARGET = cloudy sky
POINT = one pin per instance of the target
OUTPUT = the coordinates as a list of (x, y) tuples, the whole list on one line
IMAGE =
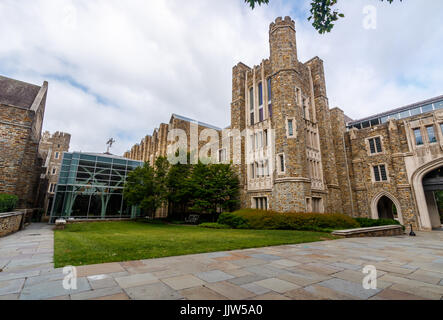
[(120, 68)]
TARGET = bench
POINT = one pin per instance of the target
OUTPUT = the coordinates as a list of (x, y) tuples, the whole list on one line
[(381, 231), (60, 224), (193, 218)]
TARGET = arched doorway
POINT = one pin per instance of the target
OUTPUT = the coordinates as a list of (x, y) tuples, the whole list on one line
[(433, 188), (427, 183), (386, 206)]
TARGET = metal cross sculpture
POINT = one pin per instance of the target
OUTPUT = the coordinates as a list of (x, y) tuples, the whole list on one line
[(110, 143)]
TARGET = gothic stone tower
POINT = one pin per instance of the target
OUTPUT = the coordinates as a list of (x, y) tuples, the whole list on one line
[(292, 183), (288, 154)]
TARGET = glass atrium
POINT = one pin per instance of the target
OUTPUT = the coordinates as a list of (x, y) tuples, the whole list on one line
[(90, 186), (398, 114)]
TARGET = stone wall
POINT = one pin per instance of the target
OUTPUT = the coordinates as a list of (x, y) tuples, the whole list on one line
[(10, 222), (382, 231), (20, 132), (19, 157)]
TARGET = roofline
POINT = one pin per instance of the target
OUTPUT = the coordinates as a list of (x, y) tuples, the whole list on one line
[(95, 154), (398, 110), (174, 115)]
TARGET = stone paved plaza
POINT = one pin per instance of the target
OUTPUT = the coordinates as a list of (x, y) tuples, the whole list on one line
[(408, 268)]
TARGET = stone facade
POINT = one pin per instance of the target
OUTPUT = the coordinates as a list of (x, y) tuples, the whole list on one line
[(297, 154), (406, 158), (22, 108), (51, 149)]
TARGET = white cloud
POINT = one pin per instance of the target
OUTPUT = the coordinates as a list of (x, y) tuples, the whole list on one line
[(120, 68)]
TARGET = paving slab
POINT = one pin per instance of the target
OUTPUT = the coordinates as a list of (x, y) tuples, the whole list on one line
[(119, 297), (256, 289), (426, 276), (90, 270), (247, 279), (325, 293), (271, 296), (183, 282), (349, 288), (407, 268), (230, 290), (249, 262), (267, 257), (51, 289), (391, 294), (93, 294), (9, 296), (155, 291), (18, 275), (101, 283), (11, 286), (285, 263), (136, 280), (201, 293), (214, 276), (302, 294), (277, 285)]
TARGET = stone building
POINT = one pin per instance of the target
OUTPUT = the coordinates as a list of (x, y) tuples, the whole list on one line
[(297, 154), (22, 107), (51, 149), (394, 160)]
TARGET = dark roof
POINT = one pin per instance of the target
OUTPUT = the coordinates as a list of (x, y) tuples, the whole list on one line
[(17, 93), (399, 110)]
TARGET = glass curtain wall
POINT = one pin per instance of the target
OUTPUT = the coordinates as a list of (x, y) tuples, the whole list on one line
[(91, 186)]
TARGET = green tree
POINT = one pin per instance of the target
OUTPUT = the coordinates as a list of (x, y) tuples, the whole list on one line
[(139, 188), (214, 187), (323, 15), (179, 188), (146, 187), (160, 182), (226, 186)]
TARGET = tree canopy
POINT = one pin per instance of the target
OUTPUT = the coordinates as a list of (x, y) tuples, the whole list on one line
[(323, 15), (201, 188)]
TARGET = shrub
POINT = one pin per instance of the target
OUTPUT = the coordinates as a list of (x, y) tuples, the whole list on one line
[(214, 225), (7, 202), (260, 219), (233, 220), (367, 223)]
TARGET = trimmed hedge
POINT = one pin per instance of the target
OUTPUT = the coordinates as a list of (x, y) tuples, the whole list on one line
[(270, 220), (7, 202), (214, 225), (233, 220), (367, 223)]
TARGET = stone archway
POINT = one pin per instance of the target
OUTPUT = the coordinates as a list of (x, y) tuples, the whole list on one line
[(380, 207), (421, 197)]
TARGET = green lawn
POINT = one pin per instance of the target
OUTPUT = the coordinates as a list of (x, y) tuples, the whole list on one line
[(92, 243)]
